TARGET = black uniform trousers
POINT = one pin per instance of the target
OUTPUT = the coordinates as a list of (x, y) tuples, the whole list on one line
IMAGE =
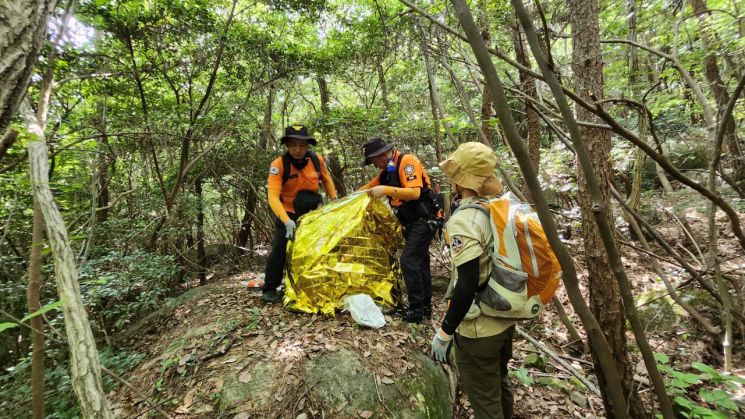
[(415, 263), (275, 264)]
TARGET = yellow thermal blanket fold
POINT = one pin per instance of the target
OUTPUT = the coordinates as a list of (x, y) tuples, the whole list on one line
[(345, 247)]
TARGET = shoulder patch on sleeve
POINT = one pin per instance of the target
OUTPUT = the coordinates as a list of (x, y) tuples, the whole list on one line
[(274, 170), (409, 169), (456, 244)]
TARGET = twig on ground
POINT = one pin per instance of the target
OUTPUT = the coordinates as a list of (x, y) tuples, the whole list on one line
[(558, 359), (135, 391), (380, 399), (690, 237)]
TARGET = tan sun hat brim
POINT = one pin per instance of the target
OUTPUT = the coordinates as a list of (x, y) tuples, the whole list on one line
[(483, 185)]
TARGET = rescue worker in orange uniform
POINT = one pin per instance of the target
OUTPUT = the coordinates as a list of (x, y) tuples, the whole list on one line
[(404, 181), (298, 170)]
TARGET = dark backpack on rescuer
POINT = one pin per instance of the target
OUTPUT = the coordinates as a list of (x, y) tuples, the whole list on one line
[(425, 207), (306, 200), (525, 272), (286, 166)]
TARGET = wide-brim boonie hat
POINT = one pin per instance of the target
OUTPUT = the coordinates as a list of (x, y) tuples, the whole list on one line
[(374, 147), (299, 132), (472, 166)]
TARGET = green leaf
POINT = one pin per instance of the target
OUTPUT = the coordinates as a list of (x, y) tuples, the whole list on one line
[(687, 377), (719, 398), (7, 325), (684, 402), (661, 358), (51, 306), (704, 368), (524, 376)]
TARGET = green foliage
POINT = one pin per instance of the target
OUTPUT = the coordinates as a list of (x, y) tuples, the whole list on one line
[(683, 385), (120, 288), (7, 325), (49, 307), (15, 390), (523, 375)]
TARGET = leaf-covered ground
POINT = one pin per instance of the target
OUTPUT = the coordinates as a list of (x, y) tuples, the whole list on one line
[(222, 329), (199, 349)]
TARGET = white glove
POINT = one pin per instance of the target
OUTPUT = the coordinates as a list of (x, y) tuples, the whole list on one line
[(441, 344), (290, 228)]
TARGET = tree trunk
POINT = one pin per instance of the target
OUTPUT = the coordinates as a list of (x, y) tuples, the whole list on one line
[(37, 323), (337, 173), (435, 119), (103, 160), (711, 69), (201, 254), (9, 138), (486, 98), (634, 193), (527, 86), (465, 100), (437, 110), (712, 263), (332, 163), (323, 90), (383, 88), (266, 127), (249, 206), (85, 369), (605, 295), (21, 38)]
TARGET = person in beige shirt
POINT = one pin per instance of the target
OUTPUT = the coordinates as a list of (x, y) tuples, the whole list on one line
[(483, 344)]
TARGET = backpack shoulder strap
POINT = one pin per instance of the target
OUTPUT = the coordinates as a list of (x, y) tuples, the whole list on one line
[(316, 162), (479, 207), (286, 168), (398, 167), (286, 165)]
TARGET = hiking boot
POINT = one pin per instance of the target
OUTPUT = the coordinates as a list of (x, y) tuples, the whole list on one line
[(427, 312), (411, 315), (269, 296)]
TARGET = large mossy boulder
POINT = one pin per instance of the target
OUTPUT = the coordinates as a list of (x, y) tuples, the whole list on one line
[(342, 379)]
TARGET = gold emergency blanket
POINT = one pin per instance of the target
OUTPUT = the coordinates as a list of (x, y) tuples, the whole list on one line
[(346, 247)]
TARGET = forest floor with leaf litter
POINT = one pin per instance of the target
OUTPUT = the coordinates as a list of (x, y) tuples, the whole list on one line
[(224, 328)]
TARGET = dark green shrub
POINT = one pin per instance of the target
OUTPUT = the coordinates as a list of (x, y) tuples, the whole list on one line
[(120, 288)]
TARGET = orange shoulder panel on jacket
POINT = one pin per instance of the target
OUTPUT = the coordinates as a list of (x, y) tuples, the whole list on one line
[(411, 172)]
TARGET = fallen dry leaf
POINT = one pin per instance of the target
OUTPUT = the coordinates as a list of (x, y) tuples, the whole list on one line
[(386, 380), (365, 414), (245, 377), (184, 359), (189, 398), (219, 381)]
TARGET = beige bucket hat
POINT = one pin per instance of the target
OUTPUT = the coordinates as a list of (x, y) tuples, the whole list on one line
[(472, 166)]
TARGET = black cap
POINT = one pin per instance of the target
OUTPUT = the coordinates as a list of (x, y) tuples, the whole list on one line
[(374, 147), (299, 132)]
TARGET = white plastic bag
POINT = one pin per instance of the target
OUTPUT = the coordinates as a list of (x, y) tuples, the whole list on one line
[(364, 310)]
